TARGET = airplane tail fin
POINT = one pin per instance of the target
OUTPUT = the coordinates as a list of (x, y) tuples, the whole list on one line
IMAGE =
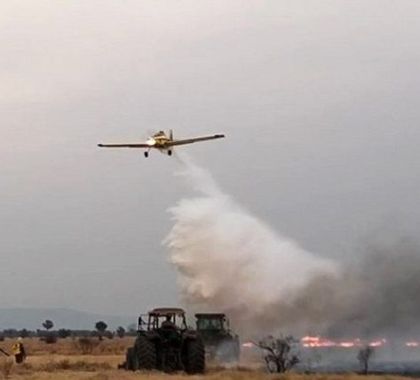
[(171, 134)]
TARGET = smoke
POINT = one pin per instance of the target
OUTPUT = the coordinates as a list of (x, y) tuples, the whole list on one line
[(376, 297), (230, 261)]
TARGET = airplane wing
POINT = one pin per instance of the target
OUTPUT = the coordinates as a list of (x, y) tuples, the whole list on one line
[(124, 145), (193, 140)]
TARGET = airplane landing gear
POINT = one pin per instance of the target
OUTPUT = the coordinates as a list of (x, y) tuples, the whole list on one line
[(146, 154), (169, 152)]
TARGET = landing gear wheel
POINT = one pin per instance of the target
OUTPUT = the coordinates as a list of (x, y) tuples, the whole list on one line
[(146, 154), (169, 152)]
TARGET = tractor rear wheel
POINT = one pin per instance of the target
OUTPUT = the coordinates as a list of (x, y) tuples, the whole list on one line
[(195, 357), (131, 360), (145, 353)]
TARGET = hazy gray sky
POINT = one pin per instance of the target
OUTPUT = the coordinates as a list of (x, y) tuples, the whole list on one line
[(319, 100)]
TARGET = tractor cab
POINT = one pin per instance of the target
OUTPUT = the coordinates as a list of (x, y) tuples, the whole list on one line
[(212, 323), (220, 342), (163, 318)]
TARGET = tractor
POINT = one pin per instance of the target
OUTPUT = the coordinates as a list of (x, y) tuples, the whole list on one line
[(164, 342), (220, 342)]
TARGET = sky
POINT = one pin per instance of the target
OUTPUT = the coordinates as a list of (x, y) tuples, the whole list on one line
[(319, 101)]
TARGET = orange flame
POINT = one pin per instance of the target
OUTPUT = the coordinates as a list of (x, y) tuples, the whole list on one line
[(317, 341), (320, 342)]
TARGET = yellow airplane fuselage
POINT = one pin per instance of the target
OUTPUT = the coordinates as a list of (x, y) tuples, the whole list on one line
[(160, 141)]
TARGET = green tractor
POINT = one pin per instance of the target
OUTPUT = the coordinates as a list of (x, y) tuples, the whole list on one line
[(220, 342), (164, 342)]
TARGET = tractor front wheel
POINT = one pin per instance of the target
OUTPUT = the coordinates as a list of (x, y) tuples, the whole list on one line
[(145, 352), (195, 357), (131, 363)]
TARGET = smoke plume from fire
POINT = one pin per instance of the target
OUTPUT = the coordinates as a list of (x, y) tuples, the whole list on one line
[(230, 261)]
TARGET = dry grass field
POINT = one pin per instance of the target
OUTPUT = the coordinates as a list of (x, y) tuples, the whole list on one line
[(64, 361)]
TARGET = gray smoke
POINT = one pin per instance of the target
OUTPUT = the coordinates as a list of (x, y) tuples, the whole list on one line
[(230, 261), (378, 296)]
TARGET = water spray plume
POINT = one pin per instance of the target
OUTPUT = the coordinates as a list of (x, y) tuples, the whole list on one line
[(230, 261)]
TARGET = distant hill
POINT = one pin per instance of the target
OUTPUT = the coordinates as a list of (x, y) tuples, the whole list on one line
[(32, 318)]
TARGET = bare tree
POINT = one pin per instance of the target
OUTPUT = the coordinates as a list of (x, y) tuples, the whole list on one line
[(364, 355), (280, 353)]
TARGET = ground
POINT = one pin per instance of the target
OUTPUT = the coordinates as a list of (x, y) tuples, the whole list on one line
[(65, 361)]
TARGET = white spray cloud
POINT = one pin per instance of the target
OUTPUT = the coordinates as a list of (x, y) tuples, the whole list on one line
[(230, 261)]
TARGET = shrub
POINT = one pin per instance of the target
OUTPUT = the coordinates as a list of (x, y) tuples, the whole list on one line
[(24, 333), (85, 345), (120, 332), (64, 333), (49, 339)]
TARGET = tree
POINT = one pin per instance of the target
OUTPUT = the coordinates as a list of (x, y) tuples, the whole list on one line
[(101, 327), (121, 332), (49, 337), (24, 333), (64, 333), (48, 324), (280, 355), (364, 356)]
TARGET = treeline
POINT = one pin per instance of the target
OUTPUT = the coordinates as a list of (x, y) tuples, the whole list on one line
[(62, 333), (49, 335)]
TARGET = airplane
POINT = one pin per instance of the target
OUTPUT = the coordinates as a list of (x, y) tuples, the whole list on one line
[(162, 142)]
